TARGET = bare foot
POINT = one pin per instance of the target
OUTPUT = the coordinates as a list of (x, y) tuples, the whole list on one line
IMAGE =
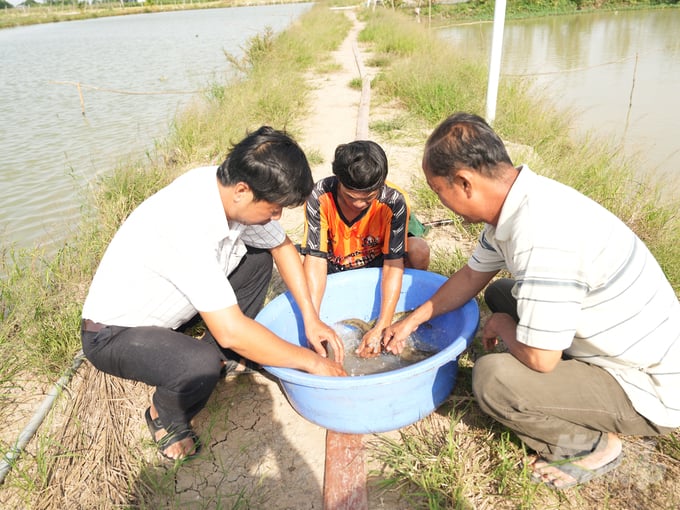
[(564, 474), (179, 450)]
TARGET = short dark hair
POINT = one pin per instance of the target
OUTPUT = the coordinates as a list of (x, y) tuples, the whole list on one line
[(464, 140), (360, 165), (272, 164)]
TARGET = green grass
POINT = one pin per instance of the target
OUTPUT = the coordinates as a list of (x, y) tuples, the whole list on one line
[(481, 10), (455, 458), (38, 13)]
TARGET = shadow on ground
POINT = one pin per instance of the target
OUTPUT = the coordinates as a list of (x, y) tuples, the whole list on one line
[(258, 453)]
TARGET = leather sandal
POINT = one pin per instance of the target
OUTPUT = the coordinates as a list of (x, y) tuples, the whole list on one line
[(171, 438), (243, 366)]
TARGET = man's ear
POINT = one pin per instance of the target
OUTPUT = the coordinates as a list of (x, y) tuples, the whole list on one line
[(465, 179), (240, 190)]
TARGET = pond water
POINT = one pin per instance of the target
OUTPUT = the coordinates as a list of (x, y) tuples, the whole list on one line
[(135, 73), (619, 72)]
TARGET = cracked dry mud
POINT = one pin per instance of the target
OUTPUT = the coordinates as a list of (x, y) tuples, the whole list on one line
[(259, 449)]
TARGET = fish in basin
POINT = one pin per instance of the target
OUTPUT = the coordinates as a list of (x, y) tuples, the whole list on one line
[(352, 330)]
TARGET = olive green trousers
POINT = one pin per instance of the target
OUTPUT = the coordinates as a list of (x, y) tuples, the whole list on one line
[(561, 414)]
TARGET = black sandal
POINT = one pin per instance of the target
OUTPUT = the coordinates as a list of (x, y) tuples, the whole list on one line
[(171, 438), (242, 366), (155, 426)]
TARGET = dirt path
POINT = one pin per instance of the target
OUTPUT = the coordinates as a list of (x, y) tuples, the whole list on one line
[(334, 119), (260, 449), (333, 114)]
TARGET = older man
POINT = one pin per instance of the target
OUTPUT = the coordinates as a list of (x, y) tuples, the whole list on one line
[(591, 324)]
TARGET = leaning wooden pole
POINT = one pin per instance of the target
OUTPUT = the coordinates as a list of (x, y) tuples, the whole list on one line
[(344, 485), (345, 472)]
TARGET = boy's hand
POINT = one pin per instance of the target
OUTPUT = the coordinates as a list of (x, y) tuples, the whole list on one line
[(395, 336), (371, 344)]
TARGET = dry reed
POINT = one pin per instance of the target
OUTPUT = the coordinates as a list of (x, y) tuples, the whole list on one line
[(96, 449)]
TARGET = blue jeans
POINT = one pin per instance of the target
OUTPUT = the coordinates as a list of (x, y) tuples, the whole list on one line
[(183, 370)]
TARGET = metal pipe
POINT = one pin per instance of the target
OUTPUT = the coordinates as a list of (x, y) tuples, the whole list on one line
[(39, 416)]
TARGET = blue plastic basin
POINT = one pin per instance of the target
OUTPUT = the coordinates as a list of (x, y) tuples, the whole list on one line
[(376, 402)]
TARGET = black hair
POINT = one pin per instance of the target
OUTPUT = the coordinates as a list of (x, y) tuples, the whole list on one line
[(272, 164), (464, 140), (360, 165)]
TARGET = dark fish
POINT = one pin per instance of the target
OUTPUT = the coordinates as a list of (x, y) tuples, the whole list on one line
[(352, 330), (364, 327)]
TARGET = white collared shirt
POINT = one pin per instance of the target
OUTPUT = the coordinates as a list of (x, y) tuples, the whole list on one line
[(171, 257), (587, 285)]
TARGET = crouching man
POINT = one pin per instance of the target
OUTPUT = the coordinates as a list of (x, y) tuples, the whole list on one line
[(205, 245)]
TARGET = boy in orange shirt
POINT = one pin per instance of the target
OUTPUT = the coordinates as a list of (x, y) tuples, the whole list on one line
[(354, 219)]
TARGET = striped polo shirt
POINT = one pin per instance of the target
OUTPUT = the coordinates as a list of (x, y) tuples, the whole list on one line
[(587, 285)]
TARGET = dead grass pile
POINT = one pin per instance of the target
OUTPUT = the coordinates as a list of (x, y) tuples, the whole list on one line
[(94, 452)]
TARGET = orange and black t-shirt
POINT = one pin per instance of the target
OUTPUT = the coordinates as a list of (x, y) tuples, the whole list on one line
[(379, 232)]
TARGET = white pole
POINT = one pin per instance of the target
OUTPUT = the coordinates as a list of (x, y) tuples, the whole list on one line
[(495, 60)]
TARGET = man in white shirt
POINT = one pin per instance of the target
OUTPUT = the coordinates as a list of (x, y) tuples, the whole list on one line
[(205, 245), (590, 322)]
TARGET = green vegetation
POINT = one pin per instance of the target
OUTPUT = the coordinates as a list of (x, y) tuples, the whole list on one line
[(457, 458), (442, 13)]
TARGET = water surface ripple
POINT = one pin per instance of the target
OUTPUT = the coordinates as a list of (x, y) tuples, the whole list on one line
[(49, 150), (618, 72)]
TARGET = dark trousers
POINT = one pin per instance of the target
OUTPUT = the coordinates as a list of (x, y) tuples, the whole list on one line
[(560, 414), (183, 370)]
